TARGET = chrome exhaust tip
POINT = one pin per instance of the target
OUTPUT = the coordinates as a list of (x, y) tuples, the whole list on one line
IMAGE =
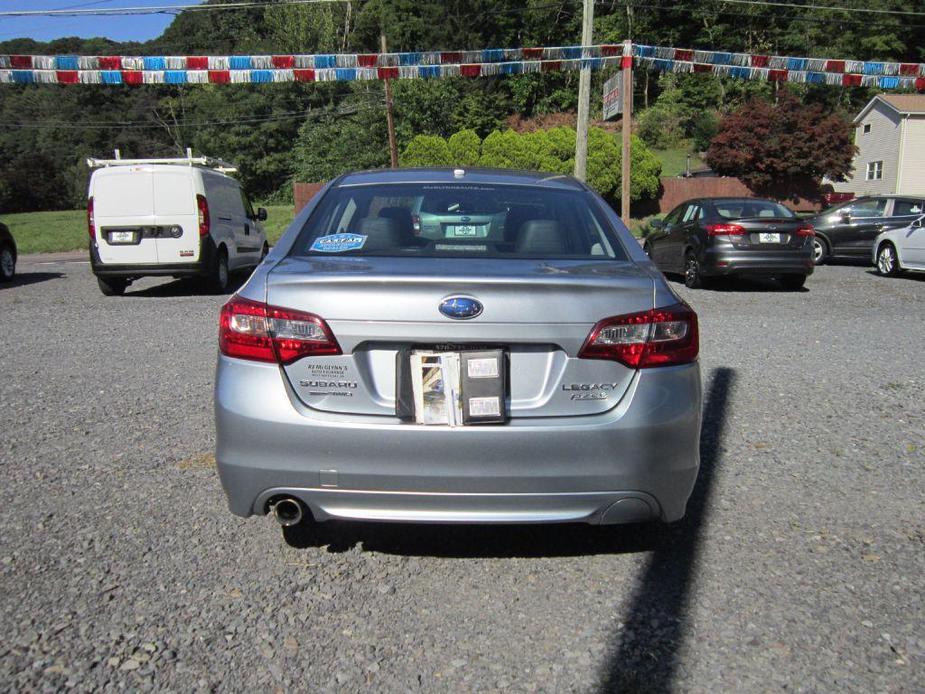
[(288, 512)]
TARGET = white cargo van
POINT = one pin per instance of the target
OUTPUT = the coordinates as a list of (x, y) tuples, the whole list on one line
[(173, 217)]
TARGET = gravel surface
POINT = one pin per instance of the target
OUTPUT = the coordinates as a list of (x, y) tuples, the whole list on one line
[(800, 564)]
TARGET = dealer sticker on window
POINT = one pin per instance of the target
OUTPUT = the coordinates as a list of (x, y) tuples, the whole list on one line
[(338, 243)]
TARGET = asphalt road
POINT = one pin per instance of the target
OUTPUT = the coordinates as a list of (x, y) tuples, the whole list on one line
[(800, 565)]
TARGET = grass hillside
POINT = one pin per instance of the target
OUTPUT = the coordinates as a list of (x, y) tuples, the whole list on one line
[(66, 230)]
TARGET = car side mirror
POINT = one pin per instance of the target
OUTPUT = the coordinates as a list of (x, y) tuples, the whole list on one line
[(917, 223), (845, 217), (261, 214), (657, 224)]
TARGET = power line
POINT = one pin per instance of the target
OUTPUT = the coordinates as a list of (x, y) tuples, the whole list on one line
[(159, 9), (833, 8)]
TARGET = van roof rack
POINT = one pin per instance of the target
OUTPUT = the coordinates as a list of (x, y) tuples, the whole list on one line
[(189, 160)]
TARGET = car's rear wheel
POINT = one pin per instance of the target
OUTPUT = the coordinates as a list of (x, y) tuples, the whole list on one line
[(887, 260), (793, 282), (112, 286), (820, 250), (221, 277), (7, 264), (693, 274)]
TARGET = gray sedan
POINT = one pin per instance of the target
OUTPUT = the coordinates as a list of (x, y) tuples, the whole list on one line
[(459, 346)]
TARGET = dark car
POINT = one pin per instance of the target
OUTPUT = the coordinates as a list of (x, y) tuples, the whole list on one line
[(7, 254), (848, 230), (721, 237)]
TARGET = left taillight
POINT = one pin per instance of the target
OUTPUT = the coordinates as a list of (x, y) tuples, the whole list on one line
[(259, 332), (91, 224), (658, 337)]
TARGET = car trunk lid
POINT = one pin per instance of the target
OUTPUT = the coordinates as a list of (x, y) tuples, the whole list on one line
[(539, 312)]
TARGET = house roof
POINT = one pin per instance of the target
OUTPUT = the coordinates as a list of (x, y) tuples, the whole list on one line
[(903, 104)]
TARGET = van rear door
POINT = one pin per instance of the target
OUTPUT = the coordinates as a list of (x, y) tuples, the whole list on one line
[(177, 215), (123, 208)]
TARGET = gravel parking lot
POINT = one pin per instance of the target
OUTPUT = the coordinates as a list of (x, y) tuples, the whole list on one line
[(800, 565)]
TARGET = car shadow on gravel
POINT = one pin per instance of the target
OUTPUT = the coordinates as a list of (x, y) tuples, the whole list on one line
[(644, 650), (22, 279), (747, 284), (917, 276), (185, 287)]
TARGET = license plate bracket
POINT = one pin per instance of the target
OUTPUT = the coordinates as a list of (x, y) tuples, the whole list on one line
[(453, 388)]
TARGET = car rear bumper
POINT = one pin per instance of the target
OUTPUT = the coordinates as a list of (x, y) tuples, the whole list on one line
[(635, 462), (202, 266), (732, 261)]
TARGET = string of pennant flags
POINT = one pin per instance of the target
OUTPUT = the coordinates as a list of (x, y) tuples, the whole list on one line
[(251, 69)]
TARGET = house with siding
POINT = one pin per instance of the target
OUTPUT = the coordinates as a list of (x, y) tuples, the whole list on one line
[(890, 135)]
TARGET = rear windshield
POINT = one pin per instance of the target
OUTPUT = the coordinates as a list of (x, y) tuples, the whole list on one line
[(750, 209), (458, 220)]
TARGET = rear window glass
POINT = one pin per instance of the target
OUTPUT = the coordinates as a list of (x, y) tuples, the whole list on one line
[(907, 207), (458, 220), (752, 209)]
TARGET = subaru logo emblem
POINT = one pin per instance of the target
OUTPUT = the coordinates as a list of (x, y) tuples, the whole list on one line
[(460, 307)]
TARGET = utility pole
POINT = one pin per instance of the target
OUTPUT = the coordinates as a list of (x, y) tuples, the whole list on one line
[(389, 116), (584, 94), (625, 171)]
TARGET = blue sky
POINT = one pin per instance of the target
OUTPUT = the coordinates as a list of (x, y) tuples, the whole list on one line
[(126, 28)]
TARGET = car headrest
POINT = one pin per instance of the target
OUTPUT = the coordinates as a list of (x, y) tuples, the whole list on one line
[(540, 237), (383, 234), (402, 215)]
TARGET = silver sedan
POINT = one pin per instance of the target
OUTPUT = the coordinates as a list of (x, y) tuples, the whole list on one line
[(458, 346)]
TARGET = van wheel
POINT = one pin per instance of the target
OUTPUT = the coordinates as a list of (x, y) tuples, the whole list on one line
[(112, 286), (220, 275)]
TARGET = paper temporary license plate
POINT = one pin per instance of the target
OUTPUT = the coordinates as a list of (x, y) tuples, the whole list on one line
[(769, 238), (121, 237)]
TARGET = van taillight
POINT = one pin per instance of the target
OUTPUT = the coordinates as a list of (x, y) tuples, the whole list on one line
[(658, 337), (253, 330), (91, 225), (204, 223)]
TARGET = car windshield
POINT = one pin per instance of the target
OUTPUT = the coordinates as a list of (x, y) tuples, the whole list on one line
[(458, 220), (752, 209)]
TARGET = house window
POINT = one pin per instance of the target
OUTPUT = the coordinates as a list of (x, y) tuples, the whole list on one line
[(874, 170), (866, 128)]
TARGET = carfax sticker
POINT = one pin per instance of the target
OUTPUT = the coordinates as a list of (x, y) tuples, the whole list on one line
[(338, 243)]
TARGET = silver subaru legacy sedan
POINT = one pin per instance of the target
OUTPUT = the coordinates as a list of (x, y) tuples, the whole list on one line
[(458, 346)]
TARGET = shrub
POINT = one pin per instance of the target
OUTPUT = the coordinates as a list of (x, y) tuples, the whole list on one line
[(426, 150), (465, 148)]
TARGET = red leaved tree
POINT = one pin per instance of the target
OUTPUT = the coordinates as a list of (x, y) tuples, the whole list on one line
[(783, 150)]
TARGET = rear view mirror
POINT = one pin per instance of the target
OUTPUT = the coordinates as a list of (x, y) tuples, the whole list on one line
[(261, 214)]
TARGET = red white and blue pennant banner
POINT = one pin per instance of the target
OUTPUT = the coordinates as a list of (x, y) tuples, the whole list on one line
[(250, 69), (779, 68)]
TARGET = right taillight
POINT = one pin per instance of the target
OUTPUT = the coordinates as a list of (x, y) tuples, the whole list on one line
[(725, 230), (253, 330), (91, 224), (202, 206), (806, 230), (658, 337)]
